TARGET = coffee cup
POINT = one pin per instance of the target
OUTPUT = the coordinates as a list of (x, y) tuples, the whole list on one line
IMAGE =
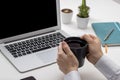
[(79, 47), (66, 15)]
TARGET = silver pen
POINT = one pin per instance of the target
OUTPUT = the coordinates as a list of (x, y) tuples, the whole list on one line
[(109, 33)]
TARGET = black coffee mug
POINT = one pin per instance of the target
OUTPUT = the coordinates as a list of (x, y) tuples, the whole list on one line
[(79, 47)]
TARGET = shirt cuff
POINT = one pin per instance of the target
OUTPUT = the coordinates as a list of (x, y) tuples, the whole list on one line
[(107, 67), (73, 75)]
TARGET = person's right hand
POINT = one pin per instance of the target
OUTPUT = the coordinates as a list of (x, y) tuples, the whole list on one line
[(66, 60), (94, 47)]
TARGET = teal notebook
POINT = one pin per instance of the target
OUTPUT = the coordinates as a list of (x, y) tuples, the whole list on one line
[(102, 29)]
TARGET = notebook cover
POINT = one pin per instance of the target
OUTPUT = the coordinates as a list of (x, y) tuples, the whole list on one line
[(102, 28)]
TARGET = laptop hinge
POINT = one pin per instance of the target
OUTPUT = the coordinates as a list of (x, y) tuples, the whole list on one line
[(29, 37)]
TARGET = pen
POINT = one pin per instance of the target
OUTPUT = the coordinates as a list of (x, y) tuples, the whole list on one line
[(109, 33)]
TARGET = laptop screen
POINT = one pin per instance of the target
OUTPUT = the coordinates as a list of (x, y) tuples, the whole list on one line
[(19, 17)]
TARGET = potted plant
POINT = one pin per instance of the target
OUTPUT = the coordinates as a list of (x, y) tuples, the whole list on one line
[(83, 15)]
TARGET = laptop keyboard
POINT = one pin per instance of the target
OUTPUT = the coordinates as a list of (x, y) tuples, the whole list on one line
[(34, 45)]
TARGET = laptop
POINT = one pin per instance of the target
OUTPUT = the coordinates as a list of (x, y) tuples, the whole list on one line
[(30, 33)]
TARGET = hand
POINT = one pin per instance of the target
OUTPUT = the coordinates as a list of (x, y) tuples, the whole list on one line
[(94, 47), (66, 60)]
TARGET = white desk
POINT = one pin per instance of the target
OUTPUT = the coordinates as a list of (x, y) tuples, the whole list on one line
[(101, 10)]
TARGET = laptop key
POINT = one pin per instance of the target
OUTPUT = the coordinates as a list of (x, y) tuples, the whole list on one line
[(43, 48), (23, 53), (15, 56)]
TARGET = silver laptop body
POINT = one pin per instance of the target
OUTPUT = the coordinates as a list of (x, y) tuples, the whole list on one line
[(38, 59)]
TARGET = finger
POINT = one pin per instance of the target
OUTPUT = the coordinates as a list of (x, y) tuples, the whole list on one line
[(60, 48), (81, 37), (60, 51), (61, 55), (66, 48), (92, 36), (59, 62), (87, 38)]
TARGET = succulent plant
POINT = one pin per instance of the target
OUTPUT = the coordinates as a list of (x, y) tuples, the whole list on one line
[(83, 10)]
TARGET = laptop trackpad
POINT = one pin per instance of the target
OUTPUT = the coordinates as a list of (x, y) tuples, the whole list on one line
[(49, 56)]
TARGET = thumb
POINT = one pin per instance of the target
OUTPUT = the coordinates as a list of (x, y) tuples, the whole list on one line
[(66, 48)]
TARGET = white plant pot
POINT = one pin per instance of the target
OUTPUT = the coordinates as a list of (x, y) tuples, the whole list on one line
[(82, 22)]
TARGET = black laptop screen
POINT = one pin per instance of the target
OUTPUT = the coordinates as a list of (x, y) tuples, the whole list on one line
[(20, 17)]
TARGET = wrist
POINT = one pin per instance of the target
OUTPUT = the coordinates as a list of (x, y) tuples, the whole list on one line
[(97, 57), (70, 70), (73, 75)]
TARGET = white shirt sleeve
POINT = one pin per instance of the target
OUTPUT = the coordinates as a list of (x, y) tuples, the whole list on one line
[(109, 69), (73, 75)]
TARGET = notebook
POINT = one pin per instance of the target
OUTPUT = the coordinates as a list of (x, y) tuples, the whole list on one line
[(30, 33), (102, 29)]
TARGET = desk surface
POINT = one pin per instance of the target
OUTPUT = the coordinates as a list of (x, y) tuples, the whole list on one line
[(101, 10)]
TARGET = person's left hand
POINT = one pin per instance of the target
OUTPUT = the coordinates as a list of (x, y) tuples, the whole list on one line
[(66, 60)]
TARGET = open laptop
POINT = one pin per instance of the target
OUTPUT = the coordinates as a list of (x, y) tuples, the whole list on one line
[(30, 33)]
